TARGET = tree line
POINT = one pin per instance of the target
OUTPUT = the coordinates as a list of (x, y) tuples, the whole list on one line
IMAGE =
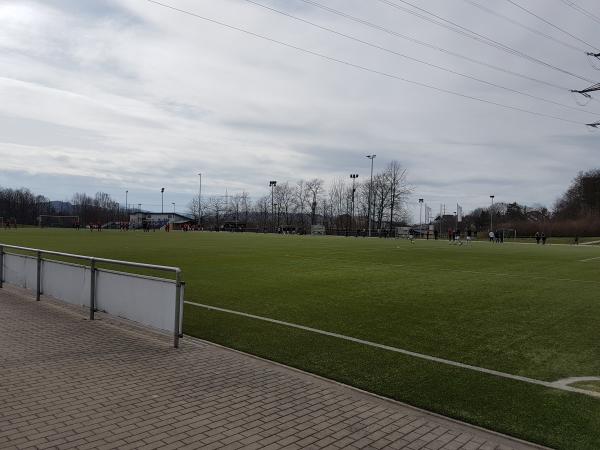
[(23, 207), (341, 205), (575, 213)]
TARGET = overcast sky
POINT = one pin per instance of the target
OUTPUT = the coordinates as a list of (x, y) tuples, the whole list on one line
[(128, 95)]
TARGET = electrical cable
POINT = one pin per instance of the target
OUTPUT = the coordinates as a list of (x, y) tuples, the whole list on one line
[(360, 67)]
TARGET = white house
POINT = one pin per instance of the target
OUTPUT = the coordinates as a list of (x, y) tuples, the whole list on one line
[(137, 219)]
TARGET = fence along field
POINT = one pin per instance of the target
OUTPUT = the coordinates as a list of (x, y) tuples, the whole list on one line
[(524, 310)]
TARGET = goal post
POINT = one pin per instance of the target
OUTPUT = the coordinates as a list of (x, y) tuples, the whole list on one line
[(317, 230), (50, 221), (508, 233)]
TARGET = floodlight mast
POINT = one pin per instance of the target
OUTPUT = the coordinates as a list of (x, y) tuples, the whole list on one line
[(420, 218), (353, 176), (491, 213), (272, 185), (371, 157), (162, 203), (200, 202)]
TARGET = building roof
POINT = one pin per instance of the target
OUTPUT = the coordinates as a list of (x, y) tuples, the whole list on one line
[(150, 213)]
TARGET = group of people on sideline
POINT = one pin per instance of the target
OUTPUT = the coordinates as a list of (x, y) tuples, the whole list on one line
[(542, 237)]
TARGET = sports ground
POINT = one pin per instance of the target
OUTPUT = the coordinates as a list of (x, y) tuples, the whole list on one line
[(519, 309)]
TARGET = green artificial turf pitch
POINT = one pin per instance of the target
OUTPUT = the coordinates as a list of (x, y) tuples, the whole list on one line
[(522, 309)]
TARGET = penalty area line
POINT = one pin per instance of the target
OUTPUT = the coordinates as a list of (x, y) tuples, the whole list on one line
[(402, 351), (589, 259)]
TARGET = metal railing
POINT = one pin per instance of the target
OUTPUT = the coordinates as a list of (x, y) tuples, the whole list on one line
[(93, 270)]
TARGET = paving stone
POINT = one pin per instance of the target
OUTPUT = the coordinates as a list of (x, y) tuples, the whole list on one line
[(69, 383)]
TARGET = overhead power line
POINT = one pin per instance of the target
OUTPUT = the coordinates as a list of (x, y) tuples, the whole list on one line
[(526, 27), (592, 56), (410, 58), (358, 66), (512, 2), (582, 10), (432, 46), (452, 26)]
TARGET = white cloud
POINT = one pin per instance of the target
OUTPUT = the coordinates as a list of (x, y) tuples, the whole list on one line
[(132, 95)]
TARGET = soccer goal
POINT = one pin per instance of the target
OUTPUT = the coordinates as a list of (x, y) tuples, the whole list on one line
[(509, 233), (49, 221), (317, 230), (402, 232)]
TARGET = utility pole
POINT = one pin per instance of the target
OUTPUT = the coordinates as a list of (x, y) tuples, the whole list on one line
[(354, 176), (586, 92), (126, 205), (593, 125), (492, 214), (371, 157), (420, 218), (162, 203), (173, 203), (272, 185), (200, 202)]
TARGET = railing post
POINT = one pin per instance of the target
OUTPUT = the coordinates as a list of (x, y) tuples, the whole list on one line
[(1, 265), (181, 303), (38, 290), (177, 306), (92, 288)]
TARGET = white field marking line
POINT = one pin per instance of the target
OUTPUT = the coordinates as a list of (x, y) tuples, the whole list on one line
[(589, 259), (590, 243), (445, 269), (567, 381), (448, 362)]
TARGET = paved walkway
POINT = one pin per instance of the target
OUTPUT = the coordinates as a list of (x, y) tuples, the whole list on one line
[(66, 382)]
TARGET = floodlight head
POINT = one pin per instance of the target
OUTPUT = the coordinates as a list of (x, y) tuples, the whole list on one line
[(420, 200), (162, 190), (371, 156), (272, 183)]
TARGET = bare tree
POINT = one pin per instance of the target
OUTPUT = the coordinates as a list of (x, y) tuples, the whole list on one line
[(381, 196), (300, 200), (245, 199), (284, 195), (399, 190), (315, 189), (338, 201), (217, 205)]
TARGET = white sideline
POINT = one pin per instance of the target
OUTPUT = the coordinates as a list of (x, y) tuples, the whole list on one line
[(548, 384), (476, 272), (589, 259)]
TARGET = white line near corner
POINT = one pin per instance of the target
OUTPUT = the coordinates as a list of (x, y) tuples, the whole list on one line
[(448, 362), (588, 259)]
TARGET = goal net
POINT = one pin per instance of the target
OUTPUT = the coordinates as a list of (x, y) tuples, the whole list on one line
[(402, 232), (508, 233), (47, 221), (317, 230)]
